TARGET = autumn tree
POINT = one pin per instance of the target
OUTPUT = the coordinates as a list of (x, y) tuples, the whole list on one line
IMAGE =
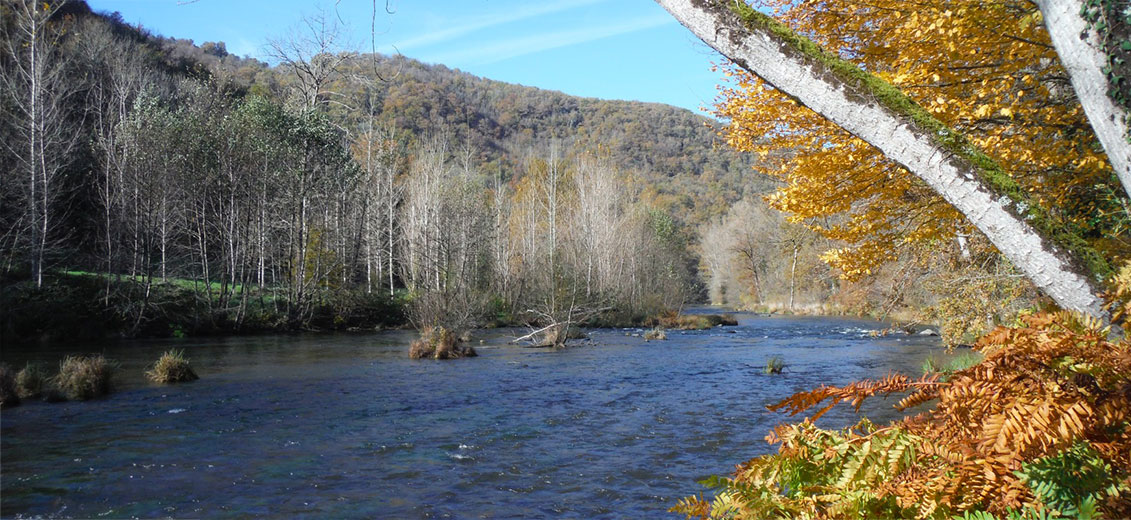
[(1034, 232)]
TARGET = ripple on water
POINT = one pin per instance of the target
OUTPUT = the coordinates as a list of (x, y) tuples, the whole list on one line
[(296, 426)]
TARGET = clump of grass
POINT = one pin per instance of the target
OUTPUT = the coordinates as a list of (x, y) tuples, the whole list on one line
[(672, 320), (656, 334), (439, 343), (956, 364), (9, 397), (774, 365), (172, 367), (85, 377), (32, 381)]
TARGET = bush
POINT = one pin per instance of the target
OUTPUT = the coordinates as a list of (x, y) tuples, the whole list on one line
[(85, 377), (32, 381), (8, 395), (439, 343), (655, 334), (1041, 428), (171, 367)]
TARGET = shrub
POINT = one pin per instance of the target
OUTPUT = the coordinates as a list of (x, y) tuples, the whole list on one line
[(85, 377), (1040, 428), (655, 334), (32, 381), (8, 395), (171, 367), (439, 343), (774, 365)]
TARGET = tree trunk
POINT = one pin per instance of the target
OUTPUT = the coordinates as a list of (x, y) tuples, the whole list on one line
[(1084, 58), (879, 114)]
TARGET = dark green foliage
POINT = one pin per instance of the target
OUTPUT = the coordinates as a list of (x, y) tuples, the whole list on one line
[(1073, 482), (9, 396)]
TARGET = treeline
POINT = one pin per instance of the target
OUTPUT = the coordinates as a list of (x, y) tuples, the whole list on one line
[(266, 206)]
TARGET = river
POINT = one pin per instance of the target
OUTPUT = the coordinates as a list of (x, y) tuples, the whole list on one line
[(346, 426)]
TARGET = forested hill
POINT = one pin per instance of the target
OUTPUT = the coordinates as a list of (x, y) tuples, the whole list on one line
[(674, 151)]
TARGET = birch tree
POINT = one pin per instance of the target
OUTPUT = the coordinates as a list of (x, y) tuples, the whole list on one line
[(35, 76), (879, 114)]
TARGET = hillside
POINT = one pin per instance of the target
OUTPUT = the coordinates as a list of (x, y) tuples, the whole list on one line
[(674, 152)]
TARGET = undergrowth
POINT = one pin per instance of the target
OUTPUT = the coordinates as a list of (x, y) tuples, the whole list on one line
[(1041, 428)]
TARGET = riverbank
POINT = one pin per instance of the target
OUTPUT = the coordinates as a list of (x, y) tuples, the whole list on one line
[(76, 306)]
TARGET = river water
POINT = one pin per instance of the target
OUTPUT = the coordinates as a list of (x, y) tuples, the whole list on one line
[(346, 426)]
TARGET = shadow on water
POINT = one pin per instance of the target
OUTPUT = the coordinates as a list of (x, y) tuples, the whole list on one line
[(347, 426)]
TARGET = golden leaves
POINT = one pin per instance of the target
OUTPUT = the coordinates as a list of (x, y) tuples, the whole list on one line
[(984, 68)]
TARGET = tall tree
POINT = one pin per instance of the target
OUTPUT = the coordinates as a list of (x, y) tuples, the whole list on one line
[(35, 76), (871, 109)]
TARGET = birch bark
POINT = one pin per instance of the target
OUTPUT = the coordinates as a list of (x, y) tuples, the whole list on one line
[(790, 64)]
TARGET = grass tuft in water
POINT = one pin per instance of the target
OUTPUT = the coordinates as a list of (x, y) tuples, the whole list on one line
[(656, 334), (172, 367), (774, 365), (85, 377), (32, 381)]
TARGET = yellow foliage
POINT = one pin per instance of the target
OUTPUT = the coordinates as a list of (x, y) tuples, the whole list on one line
[(986, 69)]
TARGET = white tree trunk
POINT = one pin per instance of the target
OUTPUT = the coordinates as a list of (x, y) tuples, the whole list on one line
[(816, 85), (1084, 58)]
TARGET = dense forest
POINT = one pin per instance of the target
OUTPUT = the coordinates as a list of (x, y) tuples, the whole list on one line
[(197, 191)]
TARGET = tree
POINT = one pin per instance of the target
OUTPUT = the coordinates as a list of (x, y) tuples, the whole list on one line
[(314, 53), (1087, 48), (873, 110), (36, 77)]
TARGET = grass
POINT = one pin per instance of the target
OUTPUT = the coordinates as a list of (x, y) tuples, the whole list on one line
[(774, 365), (439, 343), (656, 334), (32, 381), (171, 367), (9, 397), (85, 377), (958, 363)]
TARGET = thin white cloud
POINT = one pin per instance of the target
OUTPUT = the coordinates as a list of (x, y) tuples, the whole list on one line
[(515, 47), (491, 20)]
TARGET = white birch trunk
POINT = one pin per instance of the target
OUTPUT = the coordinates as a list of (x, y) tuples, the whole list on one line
[(956, 179), (1085, 59)]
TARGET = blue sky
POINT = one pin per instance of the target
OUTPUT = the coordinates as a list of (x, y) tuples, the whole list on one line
[(611, 49)]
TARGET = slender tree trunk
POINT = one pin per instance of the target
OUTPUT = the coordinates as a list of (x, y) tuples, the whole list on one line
[(877, 113), (1083, 56)]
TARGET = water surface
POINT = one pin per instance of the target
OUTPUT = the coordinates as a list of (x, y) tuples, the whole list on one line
[(345, 426)]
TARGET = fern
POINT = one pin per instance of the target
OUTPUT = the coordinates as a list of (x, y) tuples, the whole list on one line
[(1039, 429)]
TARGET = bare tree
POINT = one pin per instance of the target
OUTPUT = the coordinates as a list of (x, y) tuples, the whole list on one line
[(314, 51), (36, 79)]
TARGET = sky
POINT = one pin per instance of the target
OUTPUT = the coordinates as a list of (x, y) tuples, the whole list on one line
[(610, 49)]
